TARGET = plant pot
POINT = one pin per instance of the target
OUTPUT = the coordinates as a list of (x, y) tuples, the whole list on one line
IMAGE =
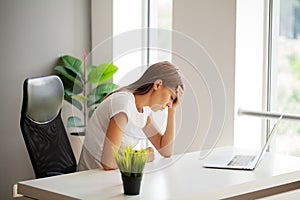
[(131, 184)]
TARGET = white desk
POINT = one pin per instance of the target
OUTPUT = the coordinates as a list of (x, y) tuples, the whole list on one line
[(289, 195), (179, 177)]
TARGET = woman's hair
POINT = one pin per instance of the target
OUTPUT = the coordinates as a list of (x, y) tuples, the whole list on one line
[(165, 71)]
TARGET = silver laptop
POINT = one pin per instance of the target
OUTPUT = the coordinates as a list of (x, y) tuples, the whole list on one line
[(241, 161)]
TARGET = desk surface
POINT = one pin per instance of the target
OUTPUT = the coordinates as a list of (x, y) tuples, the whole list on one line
[(179, 177)]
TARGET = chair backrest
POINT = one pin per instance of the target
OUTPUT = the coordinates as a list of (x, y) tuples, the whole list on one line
[(42, 128)]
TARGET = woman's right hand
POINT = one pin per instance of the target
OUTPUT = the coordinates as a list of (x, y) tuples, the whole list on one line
[(179, 95), (151, 154)]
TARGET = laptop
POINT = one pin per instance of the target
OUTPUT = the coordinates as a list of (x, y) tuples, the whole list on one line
[(243, 161)]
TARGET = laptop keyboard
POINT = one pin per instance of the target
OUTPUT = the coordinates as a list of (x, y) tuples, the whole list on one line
[(241, 160)]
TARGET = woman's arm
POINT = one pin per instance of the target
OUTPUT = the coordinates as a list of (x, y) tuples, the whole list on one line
[(162, 142), (113, 139)]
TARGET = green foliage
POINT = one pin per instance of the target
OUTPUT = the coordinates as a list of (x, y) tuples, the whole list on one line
[(76, 76), (74, 121), (131, 162), (294, 61), (291, 95)]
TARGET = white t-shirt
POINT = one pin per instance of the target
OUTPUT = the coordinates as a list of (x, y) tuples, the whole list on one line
[(95, 134)]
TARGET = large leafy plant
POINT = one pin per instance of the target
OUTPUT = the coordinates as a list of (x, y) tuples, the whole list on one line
[(85, 85)]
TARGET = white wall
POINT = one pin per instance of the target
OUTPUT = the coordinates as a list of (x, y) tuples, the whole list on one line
[(33, 35), (209, 24), (102, 31)]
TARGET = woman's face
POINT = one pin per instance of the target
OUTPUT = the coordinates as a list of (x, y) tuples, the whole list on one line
[(162, 97)]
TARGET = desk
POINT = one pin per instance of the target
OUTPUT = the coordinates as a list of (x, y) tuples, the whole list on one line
[(289, 195), (179, 177)]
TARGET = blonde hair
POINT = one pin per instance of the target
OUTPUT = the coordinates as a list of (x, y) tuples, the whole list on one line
[(165, 71)]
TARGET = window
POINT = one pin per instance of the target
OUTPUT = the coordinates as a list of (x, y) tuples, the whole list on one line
[(268, 71), (285, 72), (160, 17), (129, 15)]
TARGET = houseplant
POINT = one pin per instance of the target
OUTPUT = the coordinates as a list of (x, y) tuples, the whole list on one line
[(131, 164), (85, 86)]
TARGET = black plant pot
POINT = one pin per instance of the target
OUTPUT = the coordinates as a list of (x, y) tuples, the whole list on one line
[(131, 184)]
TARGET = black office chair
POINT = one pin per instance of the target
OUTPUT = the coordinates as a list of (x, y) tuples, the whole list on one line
[(42, 128)]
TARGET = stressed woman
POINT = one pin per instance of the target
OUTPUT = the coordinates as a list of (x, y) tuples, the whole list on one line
[(124, 117)]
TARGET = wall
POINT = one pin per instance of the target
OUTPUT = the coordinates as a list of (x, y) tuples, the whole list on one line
[(102, 31), (209, 25), (251, 32), (33, 35)]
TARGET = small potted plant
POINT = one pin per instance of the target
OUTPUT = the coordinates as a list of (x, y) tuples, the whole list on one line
[(131, 164)]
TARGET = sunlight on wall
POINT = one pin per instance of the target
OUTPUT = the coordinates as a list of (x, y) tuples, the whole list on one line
[(249, 71)]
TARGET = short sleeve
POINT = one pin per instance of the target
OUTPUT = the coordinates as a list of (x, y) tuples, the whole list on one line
[(125, 102), (120, 102)]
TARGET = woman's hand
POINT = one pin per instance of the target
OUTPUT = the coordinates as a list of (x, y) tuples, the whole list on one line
[(151, 154), (179, 95)]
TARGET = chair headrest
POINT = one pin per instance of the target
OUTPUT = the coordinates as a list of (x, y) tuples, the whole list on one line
[(44, 98)]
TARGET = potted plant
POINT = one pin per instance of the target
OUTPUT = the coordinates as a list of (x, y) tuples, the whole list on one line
[(84, 86), (131, 164)]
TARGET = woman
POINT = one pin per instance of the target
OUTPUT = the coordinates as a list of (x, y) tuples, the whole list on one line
[(120, 117)]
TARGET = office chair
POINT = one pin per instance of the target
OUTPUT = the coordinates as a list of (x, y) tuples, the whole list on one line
[(42, 128)]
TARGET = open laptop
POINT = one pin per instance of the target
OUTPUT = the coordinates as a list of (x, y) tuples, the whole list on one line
[(241, 161)]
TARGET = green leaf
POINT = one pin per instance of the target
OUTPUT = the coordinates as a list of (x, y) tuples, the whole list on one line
[(103, 89), (77, 104), (80, 98), (70, 86), (101, 73), (74, 121), (67, 96), (68, 74), (130, 162), (95, 99), (72, 101), (91, 111), (90, 68), (74, 64), (98, 93)]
